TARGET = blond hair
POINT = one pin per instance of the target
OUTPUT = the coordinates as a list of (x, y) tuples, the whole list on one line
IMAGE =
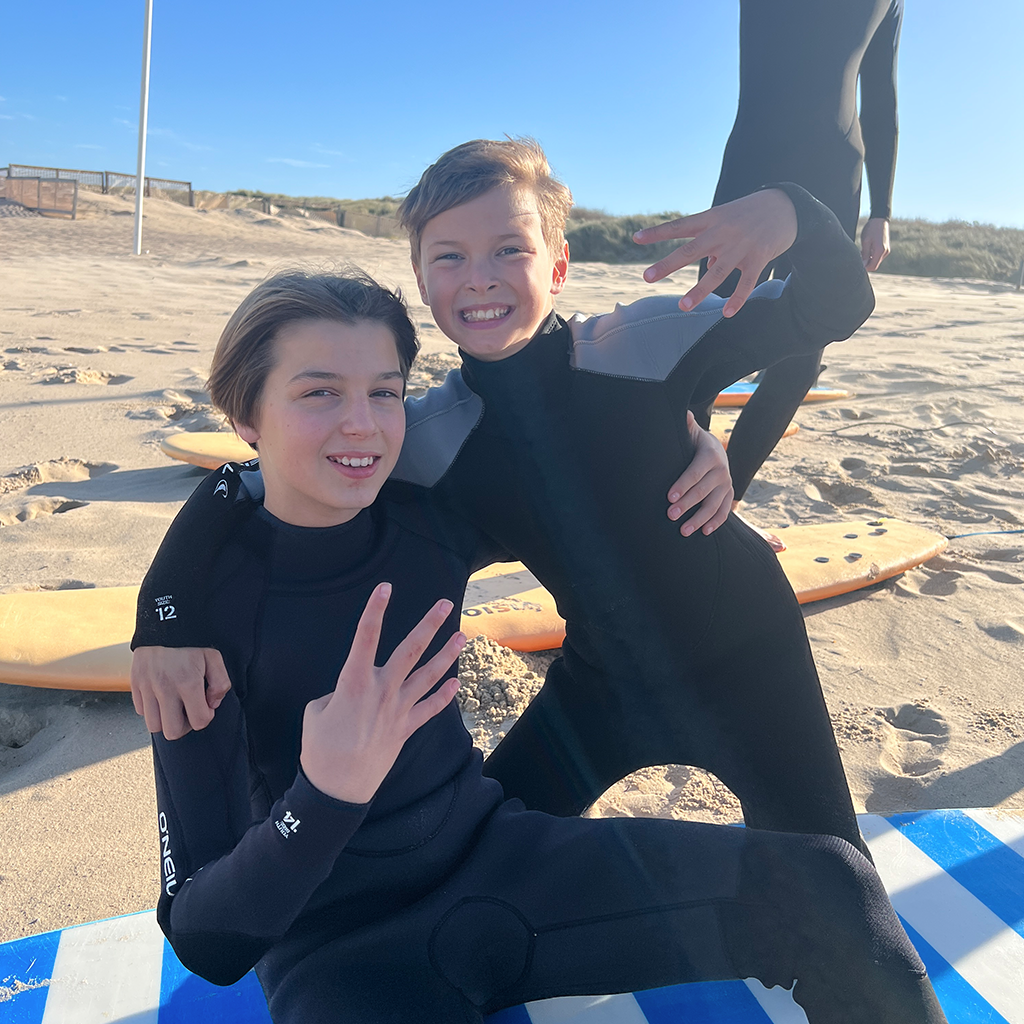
[(245, 353), (468, 171)]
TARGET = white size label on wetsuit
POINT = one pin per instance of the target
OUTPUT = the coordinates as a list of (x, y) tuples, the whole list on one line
[(288, 824)]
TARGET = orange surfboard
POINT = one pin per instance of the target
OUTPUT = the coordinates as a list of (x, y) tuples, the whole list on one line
[(829, 559), (207, 449), (506, 603)]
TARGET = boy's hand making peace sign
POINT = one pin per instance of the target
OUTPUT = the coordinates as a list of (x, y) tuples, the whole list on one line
[(352, 736)]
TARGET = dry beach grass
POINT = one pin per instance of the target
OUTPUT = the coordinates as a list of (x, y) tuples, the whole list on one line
[(102, 354)]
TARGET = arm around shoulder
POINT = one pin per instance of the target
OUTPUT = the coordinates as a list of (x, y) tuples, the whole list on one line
[(177, 678)]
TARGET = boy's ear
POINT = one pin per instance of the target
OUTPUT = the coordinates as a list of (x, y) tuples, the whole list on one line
[(419, 282), (248, 434), (560, 270)]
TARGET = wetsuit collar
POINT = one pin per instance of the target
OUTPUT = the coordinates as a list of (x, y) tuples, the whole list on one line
[(300, 554)]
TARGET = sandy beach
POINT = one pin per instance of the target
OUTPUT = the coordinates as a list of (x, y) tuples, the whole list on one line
[(102, 354)]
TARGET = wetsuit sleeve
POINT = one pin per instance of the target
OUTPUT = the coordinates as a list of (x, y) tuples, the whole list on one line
[(172, 598), (879, 121), (826, 297), (231, 887)]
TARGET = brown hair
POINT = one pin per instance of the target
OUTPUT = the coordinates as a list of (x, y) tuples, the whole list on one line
[(468, 171), (245, 353)]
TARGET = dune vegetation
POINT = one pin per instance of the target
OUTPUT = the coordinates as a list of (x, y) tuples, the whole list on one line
[(920, 248)]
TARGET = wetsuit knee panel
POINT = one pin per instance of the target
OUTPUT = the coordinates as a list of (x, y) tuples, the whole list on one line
[(820, 891), (482, 947)]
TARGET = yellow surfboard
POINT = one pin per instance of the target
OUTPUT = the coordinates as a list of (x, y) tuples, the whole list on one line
[(206, 449), (506, 603), (68, 639), (834, 558), (722, 424), (78, 639)]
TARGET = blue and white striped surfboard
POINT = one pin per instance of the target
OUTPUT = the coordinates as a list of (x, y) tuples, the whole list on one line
[(956, 879)]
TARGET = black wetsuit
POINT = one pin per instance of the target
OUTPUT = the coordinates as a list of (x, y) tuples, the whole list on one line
[(438, 900), (678, 650), (800, 61)]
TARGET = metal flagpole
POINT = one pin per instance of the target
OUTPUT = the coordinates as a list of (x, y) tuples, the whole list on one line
[(140, 177)]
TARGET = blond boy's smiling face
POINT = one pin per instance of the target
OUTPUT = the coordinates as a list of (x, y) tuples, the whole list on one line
[(487, 273)]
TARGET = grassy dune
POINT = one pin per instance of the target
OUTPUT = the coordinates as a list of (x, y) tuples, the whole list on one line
[(920, 248)]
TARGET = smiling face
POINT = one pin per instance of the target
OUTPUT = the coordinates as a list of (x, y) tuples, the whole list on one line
[(331, 420), (487, 273)]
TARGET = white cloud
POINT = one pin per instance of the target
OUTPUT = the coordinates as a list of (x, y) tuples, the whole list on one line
[(6, 117), (317, 148), (88, 145), (166, 133), (293, 163)]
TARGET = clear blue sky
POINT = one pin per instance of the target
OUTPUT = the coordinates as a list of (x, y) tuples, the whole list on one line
[(633, 101)]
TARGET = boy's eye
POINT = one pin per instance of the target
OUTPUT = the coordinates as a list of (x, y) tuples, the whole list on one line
[(509, 250), (448, 256), (318, 393), (384, 393)]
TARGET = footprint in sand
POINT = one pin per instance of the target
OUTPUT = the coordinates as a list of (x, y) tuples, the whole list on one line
[(188, 411), (78, 375), (1007, 632), (941, 576), (17, 727), (913, 739), (24, 509), (62, 470)]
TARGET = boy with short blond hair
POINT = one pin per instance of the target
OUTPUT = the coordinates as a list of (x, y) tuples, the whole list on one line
[(476, 167)]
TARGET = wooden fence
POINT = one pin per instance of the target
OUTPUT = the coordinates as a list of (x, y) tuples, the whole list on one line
[(104, 181), (44, 195)]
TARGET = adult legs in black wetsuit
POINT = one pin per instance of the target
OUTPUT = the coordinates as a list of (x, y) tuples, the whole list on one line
[(799, 119), (548, 906), (784, 385), (770, 409)]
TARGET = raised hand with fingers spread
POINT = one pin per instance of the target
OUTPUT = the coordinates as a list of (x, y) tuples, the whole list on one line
[(745, 235), (352, 736)]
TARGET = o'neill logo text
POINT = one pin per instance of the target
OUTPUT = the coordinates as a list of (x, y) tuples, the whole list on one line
[(170, 877)]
